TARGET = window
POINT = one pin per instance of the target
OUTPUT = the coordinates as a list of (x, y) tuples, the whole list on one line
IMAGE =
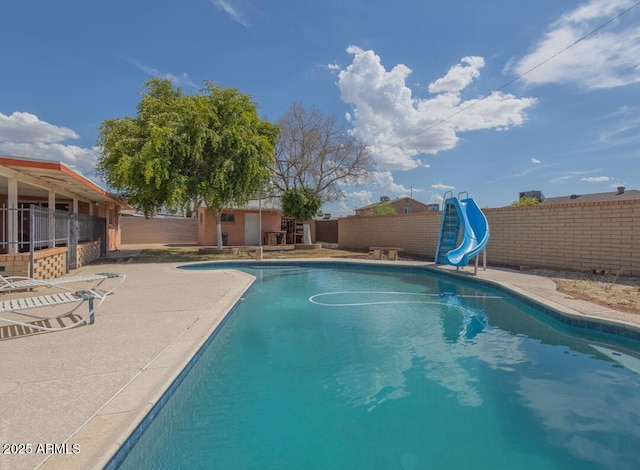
[(407, 210), (225, 217)]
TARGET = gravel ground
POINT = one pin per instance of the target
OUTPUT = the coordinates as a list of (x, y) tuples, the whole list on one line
[(620, 293)]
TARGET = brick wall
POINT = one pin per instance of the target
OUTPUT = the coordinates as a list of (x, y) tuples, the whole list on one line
[(580, 237), (49, 263), (136, 230), (14, 265), (416, 233), (88, 252)]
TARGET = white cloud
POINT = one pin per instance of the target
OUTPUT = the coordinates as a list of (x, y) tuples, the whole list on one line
[(26, 127), (459, 76), (622, 131), (437, 199), (349, 203), (232, 11), (442, 187), (363, 196), (572, 174), (606, 59), (385, 184), (179, 80), (596, 179), (560, 179), (399, 127), (535, 161), (24, 135), (623, 110)]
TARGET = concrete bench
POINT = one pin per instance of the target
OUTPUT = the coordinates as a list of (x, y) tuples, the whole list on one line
[(391, 252)]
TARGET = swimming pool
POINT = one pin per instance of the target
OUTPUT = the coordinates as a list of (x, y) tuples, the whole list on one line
[(341, 366)]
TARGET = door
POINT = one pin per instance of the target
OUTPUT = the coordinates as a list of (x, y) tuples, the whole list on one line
[(251, 229)]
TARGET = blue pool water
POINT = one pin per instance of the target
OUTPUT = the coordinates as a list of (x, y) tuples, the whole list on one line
[(349, 368)]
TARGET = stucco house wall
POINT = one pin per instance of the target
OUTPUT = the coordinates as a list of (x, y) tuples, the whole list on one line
[(235, 230)]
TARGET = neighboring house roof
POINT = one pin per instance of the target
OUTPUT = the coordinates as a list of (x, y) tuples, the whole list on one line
[(267, 204), (620, 195), (134, 213), (393, 202), (31, 173)]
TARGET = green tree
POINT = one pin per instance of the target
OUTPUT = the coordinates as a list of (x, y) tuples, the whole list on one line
[(302, 204), (180, 148), (382, 209), (136, 152), (525, 201)]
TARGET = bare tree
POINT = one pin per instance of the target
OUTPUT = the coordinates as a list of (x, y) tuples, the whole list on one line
[(314, 152)]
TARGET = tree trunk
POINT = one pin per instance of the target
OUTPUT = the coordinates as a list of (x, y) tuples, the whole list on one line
[(306, 232), (219, 230)]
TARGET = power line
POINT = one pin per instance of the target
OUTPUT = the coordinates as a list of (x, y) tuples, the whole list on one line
[(516, 78)]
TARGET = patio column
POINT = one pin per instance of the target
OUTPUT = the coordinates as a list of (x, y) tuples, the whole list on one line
[(12, 219), (52, 218)]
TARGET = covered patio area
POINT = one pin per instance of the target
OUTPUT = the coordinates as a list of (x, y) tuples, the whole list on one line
[(52, 218)]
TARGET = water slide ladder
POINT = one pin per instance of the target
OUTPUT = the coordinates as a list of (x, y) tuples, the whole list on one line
[(457, 248), (449, 229)]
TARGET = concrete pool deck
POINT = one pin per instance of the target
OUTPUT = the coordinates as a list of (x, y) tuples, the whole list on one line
[(90, 386)]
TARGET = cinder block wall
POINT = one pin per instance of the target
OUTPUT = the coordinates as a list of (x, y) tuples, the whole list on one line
[(49, 264), (137, 230), (416, 233), (580, 237), (88, 252), (14, 265)]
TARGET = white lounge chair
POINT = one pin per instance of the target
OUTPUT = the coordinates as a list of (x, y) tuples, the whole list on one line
[(31, 307), (12, 283)]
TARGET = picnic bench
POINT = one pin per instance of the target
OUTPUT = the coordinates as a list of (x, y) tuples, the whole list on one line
[(391, 253)]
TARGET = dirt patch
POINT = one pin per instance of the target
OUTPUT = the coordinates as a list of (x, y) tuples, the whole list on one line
[(618, 292), (168, 255)]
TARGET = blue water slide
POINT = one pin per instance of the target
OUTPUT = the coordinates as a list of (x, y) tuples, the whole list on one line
[(475, 233)]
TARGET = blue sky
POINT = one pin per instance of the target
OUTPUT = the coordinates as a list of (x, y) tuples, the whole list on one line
[(423, 83)]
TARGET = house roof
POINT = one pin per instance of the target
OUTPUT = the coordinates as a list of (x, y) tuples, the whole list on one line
[(266, 204), (37, 177), (391, 201), (624, 195)]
